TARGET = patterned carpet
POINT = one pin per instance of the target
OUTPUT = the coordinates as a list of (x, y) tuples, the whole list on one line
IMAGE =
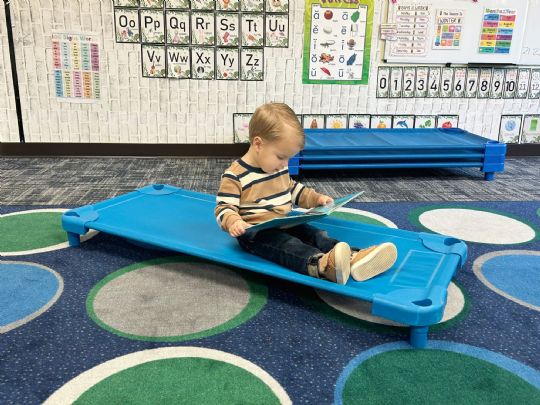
[(112, 322), (79, 181)]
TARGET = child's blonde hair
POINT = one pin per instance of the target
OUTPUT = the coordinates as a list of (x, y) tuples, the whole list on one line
[(269, 119)]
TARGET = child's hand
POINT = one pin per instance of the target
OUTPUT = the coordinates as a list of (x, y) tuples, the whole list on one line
[(238, 228), (324, 200)]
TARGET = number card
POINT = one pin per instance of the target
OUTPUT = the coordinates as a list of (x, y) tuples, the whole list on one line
[(447, 77), (473, 77), (484, 83), (434, 82), (420, 89), (383, 79), (510, 83), (497, 83), (359, 121), (396, 82), (460, 75), (534, 91), (409, 74), (524, 77)]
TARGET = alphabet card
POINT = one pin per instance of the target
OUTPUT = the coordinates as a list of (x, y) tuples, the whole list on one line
[(152, 3), (126, 23), (202, 63), (152, 26), (277, 31), (227, 63), (178, 62), (334, 42), (228, 5), (252, 5), (177, 27), (153, 61), (202, 28), (252, 30), (277, 6), (227, 29), (251, 64), (179, 4)]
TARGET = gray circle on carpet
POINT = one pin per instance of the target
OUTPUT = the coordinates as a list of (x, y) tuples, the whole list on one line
[(171, 299)]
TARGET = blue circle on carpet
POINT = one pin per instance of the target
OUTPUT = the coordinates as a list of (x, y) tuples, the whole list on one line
[(26, 291), (516, 275)]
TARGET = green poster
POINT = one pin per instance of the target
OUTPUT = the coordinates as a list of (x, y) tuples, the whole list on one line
[(337, 41)]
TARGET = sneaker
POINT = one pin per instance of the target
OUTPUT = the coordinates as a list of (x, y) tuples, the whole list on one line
[(374, 260), (336, 264)]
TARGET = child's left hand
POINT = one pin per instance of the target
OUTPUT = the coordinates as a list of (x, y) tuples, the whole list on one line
[(325, 200)]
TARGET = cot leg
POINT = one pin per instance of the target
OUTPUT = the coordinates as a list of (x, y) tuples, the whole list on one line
[(74, 239), (488, 176), (419, 336)]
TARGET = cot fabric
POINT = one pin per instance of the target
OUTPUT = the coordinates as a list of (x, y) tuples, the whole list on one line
[(250, 194)]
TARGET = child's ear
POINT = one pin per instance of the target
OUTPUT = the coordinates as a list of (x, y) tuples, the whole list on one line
[(257, 142)]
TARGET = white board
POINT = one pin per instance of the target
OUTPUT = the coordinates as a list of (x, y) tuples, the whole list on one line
[(530, 54), (465, 15)]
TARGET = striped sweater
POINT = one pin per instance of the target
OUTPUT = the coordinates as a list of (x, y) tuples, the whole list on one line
[(250, 194)]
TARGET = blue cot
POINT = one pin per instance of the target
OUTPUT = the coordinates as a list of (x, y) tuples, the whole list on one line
[(412, 292), (331, 149)]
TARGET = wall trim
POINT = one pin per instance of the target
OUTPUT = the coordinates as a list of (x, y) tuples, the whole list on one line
[(172, 150)]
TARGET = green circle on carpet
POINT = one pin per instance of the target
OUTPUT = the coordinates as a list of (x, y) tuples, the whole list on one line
[(179, 381), (33, 230), (434, 377), (348, 216)]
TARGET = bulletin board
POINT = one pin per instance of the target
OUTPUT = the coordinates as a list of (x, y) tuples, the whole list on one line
[(457, 31), (530, 54)]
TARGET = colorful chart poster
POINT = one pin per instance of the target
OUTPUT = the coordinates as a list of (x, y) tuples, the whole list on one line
[(337, 42), (448, 29), (412, 29), (76, 65), (497, 30)]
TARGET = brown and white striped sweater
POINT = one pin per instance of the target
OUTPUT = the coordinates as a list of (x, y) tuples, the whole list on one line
[(250, 194)]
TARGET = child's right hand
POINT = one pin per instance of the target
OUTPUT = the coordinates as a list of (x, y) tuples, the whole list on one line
[(238, 228)]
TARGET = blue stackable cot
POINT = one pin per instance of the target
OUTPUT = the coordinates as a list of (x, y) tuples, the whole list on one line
[(398, 148), (413, 292)]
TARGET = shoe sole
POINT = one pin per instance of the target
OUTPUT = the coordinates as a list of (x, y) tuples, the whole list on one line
[(342, 256), (376, 262)]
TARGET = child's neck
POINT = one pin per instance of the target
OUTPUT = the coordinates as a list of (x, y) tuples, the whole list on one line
[(251, 158)]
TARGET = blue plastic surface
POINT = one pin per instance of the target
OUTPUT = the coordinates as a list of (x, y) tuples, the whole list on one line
[(398, 148), (413, 292)]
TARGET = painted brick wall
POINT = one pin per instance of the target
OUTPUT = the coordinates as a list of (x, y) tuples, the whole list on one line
[(141, 110)]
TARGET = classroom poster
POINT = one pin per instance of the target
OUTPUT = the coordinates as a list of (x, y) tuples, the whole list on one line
[(448, 29), (497, 30), (76, 66), (337, 42), (412, 29)]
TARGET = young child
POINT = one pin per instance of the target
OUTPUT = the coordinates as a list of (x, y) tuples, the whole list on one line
[(257, 188)]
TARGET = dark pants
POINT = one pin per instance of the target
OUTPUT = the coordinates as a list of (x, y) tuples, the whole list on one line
[(292, 248)]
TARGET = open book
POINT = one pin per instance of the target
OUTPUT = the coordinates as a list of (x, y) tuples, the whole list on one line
[(296, 218)]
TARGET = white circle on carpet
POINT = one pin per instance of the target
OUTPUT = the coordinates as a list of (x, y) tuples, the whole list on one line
[(477, 226)]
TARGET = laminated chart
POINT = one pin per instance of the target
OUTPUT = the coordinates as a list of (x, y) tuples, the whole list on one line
[(448, 29), (337, 42), (412, 29), (497, 30), (76, 64), (203, 39)]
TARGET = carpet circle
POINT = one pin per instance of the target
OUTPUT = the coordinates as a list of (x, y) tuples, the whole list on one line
[(514, 274), (174, 299), (173, 375), (474, 225), (443, 373), (362, 309), (33, 231), (26, 291)]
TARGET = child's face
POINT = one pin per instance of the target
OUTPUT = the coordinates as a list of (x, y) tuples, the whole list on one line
[(274, 156)]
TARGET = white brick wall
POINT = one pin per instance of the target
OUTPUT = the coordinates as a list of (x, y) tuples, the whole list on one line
[(140, 110)]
